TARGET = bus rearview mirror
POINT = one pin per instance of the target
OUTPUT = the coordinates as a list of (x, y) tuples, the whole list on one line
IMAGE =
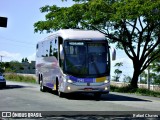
[(61, 52)]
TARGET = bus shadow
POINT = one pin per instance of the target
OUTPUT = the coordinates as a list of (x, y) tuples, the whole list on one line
[(115, 97), (13, 87), (74, 96), (104, 97)]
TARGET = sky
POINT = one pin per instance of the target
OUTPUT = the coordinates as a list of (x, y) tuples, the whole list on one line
[(18, 40)]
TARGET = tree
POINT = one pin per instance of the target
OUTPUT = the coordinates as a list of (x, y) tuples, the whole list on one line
[(25, 60), (117, 71), (13, 66), (127, 79), (134, 25), (154, 69), (155, 66)]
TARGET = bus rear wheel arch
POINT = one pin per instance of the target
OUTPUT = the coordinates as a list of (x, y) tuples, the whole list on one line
[(42, 87), (39, 78)]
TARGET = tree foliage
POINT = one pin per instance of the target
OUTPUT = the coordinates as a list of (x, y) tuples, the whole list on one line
[(12, 66), (134, 25), (117, 71), (154, 74), (24, 60)]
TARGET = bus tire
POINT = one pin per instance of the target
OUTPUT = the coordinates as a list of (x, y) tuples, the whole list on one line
[(42, 87), (60, 94), (57, 87), (97, 96)]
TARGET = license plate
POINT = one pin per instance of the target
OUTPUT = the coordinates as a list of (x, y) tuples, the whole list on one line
[(88, 89)]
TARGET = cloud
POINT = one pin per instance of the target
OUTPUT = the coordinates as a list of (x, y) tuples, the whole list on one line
[(124, 60), (8, 56), (32, 57)]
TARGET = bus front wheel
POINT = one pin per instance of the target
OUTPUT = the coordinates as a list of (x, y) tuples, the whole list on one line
[(97, 96), (60, 94)]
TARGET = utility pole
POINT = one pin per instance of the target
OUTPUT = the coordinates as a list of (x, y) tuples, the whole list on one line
[(1, 61), (148, 75), (3, 21), (1, 58)]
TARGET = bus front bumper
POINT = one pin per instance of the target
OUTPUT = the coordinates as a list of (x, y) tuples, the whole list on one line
[(71, 88)]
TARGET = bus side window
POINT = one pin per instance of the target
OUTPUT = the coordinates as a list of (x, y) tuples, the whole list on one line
[(37, 51), (55, 40), (60, 42), (37, 46), (51, 49), (43, 51), (55, 48)]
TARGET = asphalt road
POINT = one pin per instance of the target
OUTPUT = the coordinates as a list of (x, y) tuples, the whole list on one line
[(27, 97)]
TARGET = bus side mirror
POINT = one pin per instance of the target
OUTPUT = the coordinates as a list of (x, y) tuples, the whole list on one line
[(113, 54), (61, 52)]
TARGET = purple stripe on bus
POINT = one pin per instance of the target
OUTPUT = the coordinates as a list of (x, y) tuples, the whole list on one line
[(50, 85), (85, 80)]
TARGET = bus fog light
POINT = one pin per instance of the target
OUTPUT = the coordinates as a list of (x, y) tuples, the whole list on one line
[(106, 81), (69, 88), (105, 88)]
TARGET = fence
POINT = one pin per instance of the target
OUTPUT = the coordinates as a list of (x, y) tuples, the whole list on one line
[(122, 84)]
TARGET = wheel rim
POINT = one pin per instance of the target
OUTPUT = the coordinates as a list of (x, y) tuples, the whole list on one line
[(59, 93), (41, 85)]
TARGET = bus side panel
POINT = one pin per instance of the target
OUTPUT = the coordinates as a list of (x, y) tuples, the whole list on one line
[(47, 63), (49, 70)]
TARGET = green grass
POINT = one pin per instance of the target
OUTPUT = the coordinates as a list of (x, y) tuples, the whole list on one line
[(20, 78), (139, 91)]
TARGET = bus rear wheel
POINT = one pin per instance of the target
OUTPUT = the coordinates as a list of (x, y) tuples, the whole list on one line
[(42, 88)]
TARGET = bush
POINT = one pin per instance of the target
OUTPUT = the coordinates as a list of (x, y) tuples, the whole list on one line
[(20, 78)]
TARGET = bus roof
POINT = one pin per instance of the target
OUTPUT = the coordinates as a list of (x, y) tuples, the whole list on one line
[(75, 34)]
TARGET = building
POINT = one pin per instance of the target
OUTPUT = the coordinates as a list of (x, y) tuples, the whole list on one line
[(27, 68)]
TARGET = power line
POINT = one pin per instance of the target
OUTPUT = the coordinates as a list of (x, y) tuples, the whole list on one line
[(8, 39), (21, 45)]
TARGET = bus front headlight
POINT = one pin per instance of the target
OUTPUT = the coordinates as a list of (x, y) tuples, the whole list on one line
[(106, 81), (69, 81)]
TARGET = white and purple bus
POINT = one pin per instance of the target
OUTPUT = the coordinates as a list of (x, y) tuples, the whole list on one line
[(74, 61)]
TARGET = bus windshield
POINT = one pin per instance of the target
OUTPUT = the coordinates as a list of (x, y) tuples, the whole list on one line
[(86, 59)]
